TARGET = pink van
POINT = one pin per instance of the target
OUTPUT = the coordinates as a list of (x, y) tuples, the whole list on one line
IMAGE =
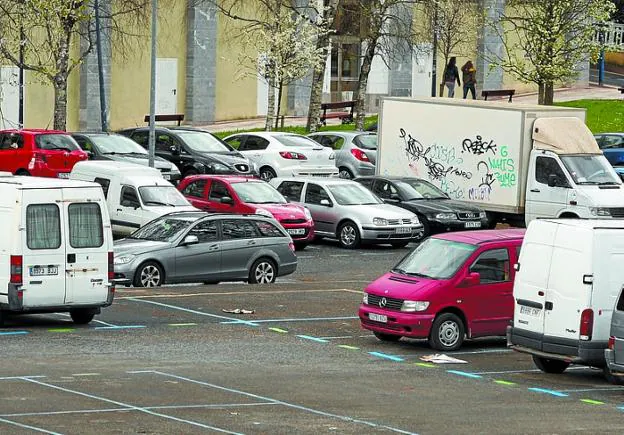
[(452, 286)]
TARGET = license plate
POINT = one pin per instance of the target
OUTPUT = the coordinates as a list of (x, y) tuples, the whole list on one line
[(530, 311), (403, 230), (63, 175), (378, 318), (43, 270), (166, 176), (296, 231), (473, 224)]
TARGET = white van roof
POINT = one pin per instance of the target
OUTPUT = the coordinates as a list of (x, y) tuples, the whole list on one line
[(41, 182), (114, 167), (587, 223)]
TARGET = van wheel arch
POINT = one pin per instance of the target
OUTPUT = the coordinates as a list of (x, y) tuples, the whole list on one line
[(459, 313), (23, 172), (137, 274), (568, 215)]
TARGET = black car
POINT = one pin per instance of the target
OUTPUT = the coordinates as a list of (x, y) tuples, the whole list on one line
[(110, 146), (194, 151), (437, 212)]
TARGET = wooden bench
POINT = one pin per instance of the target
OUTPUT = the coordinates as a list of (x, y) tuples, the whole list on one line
[(345, 117), (498, 93), (179, 117)]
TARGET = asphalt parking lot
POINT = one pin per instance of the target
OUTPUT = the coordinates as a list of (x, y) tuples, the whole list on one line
[(172, 361)]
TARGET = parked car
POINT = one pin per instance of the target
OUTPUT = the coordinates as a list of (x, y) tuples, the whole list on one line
[(42, 153), (135, 194), (201, 247), (118, 148), (347, 211), (278, 154), (356, 152), (450, 287), (234, 194), (436, 211), (612, 146), (193, 151), (614, 354)]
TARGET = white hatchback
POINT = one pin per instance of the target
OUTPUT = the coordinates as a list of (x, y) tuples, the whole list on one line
[(279, 154)]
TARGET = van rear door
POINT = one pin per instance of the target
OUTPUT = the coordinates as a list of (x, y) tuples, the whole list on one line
[(87, 246), (43, 242)]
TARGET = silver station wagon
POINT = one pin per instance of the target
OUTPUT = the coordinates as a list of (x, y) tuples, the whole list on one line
[(347, 211), (200, 247)]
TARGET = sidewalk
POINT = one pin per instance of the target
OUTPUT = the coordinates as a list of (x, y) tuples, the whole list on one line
[(564, 94)]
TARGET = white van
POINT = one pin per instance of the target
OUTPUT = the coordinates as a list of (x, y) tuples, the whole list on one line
[(57, 248), (135, 194), (569, 274)]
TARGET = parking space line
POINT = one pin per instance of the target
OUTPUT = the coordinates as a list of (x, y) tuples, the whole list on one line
[(428, 365), (182, 324), (337, 338), (131, 407), (287, 404), (101, 322), (280, 330), (386, 356), (592, 402), (86, 374), (588, 390), (25, 426), (119, 327), (20, 378), (546, 391), (303, 319), (501, 382), (465, 374), (505, 372), (263, 292), (346, 346), (318, 340), (14, 332)]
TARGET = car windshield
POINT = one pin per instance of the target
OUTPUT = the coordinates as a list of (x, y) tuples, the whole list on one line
[(366, 141), (352, 194), (203, 142), (435, 258), (52, 142), (291, 140), (117, 144), (421, 189), (590, 169), (258, 193), (165, 229), (162, 195)]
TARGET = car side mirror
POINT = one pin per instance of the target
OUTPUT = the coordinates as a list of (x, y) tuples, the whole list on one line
[(325, 202), (395, 197), (132, 204), (190, 240), (473, 278), (174, 150), (89, 154), (227, 200), (552, 180)]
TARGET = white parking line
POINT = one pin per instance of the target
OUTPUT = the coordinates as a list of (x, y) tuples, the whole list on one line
[(25, 426), (526, 371), (587, 390), (131, 407)]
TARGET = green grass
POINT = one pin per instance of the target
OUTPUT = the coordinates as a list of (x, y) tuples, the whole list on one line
[(603, 116), (300, 129)]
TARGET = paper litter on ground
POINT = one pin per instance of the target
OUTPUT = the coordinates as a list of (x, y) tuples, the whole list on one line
[(238, 311), (439, 358)]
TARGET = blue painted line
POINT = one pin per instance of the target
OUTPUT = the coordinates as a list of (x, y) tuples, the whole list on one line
[(551, 392), (466, 374), (14, 332), (303, 319), (386, 356), (120, 327), (307, 337)]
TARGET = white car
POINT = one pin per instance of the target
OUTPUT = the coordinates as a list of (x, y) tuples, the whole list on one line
[(279, 154)]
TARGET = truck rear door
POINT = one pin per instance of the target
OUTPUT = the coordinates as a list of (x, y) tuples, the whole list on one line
[(43, 244)]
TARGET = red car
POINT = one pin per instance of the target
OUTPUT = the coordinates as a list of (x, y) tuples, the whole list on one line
[(243, 195), (42, 153)]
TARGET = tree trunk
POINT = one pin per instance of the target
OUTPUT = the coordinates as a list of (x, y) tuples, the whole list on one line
[(316, 92), (362, 84), (540, 93), (280, 89), (60, 102), (549, 93), (271, 109)]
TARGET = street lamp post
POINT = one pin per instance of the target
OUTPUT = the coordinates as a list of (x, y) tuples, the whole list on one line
[(434, 50), (601, 59), (152, 117), (98, 46)]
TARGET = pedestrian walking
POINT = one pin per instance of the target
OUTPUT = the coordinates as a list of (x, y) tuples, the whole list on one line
[(451, 75), (469, 75)]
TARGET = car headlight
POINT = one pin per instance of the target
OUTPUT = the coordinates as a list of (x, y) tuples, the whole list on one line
[(446, 216), (415, 220), (365, 299), (482, 215), (263, 212), (218, 167), (332, 156), (380, 221), (124, 259), (600, 211), (413, 306), (307, 213)]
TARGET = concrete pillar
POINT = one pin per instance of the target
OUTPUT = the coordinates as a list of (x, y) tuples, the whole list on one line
[(400, 78), (201, 63), (89, 115), (490, 46), (298, 100)]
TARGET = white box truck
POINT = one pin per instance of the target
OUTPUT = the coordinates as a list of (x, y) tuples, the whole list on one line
[(517, 162)]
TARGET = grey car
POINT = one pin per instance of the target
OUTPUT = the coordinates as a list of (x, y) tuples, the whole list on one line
[(356, 151), (200, 247), (614, 354), (347, 211)]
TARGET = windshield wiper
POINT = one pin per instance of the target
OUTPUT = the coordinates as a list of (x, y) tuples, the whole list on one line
[(422, 275), (608, 183), (156, 203), (398, 270)]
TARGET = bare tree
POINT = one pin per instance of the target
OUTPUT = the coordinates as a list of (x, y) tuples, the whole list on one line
[(546, 40)]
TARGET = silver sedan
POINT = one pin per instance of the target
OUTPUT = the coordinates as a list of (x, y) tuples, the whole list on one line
[(356, 151), (347, 211), (201, 247)]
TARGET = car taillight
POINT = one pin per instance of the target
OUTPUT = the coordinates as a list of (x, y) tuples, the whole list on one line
[(587, 324), (16, 269), (611, 343), (111, 266), (292, 156), (360, 155)]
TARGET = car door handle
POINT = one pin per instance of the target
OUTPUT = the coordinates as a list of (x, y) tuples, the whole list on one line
[(251, 242), (548, 306), (119, 209), (213, 248), (535, 190)]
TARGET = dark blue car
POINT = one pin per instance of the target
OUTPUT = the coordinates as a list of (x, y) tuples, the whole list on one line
[(612, 145)]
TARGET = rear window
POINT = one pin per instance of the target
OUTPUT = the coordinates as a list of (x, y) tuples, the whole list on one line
[(56, 142), (43, 226), (366, 141), (85, 225), (291, 140), (620, 302)]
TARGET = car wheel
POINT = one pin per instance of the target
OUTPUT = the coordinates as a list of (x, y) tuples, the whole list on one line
[(267, 174), (345, 173), (263, 271), (349, 235), (190, 173), (447, 332), (82, 316), (149, 274), (401, 244), (387, 337), (300, 246), (23, 172), (548, 365)]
